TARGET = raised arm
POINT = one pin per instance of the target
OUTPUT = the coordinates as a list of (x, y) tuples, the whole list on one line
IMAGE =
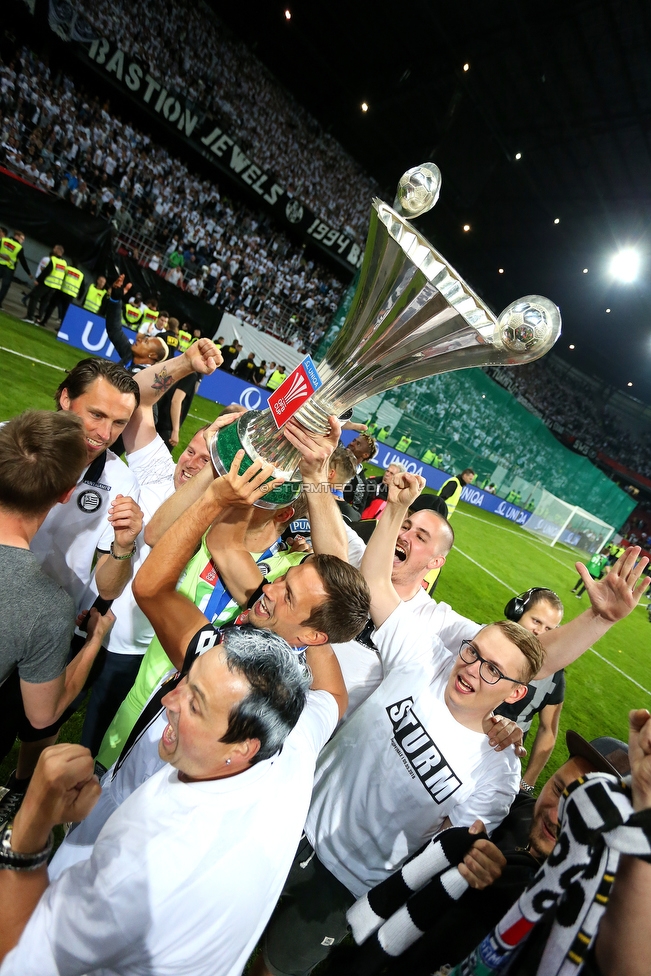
[(326, 523), (377, 563), (189, 493), (173, 616), (326, 674), (62, 789), (202, 357), (113, 310), (612, 598)]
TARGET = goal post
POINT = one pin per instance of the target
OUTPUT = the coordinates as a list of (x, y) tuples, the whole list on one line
[(555, 521)]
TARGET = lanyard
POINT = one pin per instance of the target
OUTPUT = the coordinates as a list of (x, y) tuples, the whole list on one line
[(220, 597)]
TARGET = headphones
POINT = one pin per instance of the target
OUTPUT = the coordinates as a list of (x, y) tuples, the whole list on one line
[(517, 606)]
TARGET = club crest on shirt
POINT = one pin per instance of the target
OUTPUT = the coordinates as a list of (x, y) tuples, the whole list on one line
[(420, 756), (89, 501)]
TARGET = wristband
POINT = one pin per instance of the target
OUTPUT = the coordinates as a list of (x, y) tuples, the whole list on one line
[(15, 860), (127, 555)]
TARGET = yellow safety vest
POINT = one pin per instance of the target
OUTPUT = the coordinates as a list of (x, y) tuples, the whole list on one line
[(57, 275), (453, 500), (276, 379), (72, 281), (131, 315), (384, 433), (9, 251), (185, 340), (94, 298), (149, 315), (428, 456), (403, 443)]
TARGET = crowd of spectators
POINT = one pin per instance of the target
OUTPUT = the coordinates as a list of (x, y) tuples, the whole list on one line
[(578, 408), (185, 46), (68, 142)]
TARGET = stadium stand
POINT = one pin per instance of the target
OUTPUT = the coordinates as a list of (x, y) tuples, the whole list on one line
[(67, 143), (187, 46)]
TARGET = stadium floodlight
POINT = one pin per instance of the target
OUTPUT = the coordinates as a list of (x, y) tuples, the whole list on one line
[(625, 265)]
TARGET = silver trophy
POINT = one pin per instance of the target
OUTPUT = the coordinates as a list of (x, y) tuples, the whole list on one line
[(412, 316)]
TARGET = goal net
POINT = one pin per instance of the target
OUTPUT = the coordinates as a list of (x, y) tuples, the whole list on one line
[(555, 521)]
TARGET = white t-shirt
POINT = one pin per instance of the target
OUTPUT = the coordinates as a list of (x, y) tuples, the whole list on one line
[(401, 764), (154, 468), (66, 542), (361, 666), (183, 877)]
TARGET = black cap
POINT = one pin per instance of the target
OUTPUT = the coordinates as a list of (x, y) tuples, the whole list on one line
[(605, 754), (433, 502)]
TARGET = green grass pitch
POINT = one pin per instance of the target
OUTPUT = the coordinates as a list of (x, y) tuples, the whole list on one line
[(492, 560)]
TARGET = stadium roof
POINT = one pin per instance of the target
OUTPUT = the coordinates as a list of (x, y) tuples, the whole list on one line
[(565, 84)]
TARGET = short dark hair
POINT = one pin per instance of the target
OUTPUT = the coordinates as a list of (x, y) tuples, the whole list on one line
[(343, 615), (87, 371), (42, 455), (278, 693)]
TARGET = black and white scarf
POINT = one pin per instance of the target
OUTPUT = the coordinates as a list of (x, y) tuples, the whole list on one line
[(397, 912), (598, 824)]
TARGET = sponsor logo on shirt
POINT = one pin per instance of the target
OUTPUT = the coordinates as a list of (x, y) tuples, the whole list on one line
[(97, 484), (209, 574), (89, 501), (421, 757)]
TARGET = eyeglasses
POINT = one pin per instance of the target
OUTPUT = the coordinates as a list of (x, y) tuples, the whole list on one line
[(488, 671)]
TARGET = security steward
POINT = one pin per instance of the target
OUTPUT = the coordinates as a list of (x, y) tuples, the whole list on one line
[(49, 282), (451, 489), (404, 442), (185, 338), (11, 251), (70, 288), (95, 295), (383, 434), (131, 315), (277, 377)]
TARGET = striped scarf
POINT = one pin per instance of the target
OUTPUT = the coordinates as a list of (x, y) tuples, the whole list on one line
[(598, 824)]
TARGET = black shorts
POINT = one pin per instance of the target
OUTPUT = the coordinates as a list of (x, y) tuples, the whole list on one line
[(309, 918)]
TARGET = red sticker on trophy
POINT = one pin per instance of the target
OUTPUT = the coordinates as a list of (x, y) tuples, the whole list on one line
[(294, 391)]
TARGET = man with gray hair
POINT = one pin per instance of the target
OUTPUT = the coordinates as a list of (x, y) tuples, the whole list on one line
[(194, 857)]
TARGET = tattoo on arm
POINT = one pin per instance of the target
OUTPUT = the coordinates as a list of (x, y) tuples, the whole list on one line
[(162, 381)]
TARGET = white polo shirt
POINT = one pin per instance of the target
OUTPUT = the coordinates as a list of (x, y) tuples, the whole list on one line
[(153, 468), (66, 542), (401, 765)]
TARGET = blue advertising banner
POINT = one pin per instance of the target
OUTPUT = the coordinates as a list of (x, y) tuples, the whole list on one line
[(493, 503), (435, 479), (87, 331), (222, 387)]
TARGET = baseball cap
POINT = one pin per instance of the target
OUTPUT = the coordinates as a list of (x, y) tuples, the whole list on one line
[(605, 754), (433, 502)]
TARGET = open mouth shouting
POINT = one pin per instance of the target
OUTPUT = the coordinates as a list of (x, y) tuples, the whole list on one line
[(263, 608), (400, 553), (168, 738)]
